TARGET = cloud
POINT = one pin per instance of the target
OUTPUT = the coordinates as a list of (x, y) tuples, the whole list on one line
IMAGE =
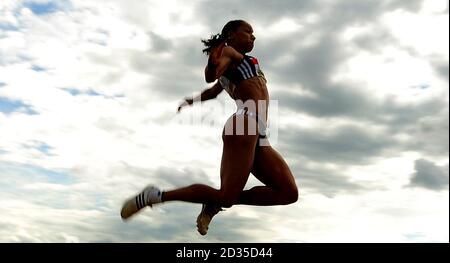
[(176, 75), (264, 12), (348, 101), (338, 102), (169, 177), (159, 43), (345, 144), (326, 181), (412, 6), (424, 123), (375, 40), (39, 207), (429, 134), (440, 65), (429, 176)]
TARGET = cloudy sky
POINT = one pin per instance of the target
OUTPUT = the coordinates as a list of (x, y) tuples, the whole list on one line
[(89, 91)]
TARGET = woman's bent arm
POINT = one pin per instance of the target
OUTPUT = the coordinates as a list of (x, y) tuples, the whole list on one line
[(219, 60)]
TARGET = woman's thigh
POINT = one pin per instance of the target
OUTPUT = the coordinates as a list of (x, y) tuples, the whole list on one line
[(237, 159), (271, 169)]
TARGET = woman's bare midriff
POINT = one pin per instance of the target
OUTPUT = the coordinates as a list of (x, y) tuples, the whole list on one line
[(253, 89)]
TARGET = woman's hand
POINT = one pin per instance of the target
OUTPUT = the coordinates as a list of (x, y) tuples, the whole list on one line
[(186, 102)]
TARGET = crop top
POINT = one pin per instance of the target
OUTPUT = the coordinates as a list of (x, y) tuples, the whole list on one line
[(246, 69)]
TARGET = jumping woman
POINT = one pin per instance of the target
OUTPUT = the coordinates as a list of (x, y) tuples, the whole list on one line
[(245, 145)]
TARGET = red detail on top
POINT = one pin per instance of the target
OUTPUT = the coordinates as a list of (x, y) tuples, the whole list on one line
[(254, 61)]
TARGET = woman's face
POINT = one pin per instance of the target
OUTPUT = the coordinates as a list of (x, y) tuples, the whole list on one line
[(242, 39)]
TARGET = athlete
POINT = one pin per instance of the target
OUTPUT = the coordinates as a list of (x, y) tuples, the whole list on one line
[(246, 148)]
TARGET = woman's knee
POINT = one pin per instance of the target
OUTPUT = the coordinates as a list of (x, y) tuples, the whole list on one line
[(227, 200), (227, 203), (292, 195)]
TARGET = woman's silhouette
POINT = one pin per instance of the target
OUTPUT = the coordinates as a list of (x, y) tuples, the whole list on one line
[(245, 146)]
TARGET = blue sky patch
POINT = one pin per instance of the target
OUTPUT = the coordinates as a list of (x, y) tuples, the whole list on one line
[(8, 27), (2, 84), (39, 145), (45, 148), (9, 106), (30, 111), (52, 176), (91, 92), (37, 68), (77, 92), (73, 92), (37, 173), (42, 8)]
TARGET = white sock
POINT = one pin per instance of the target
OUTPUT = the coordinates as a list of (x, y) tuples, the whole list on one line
[(153, 195)]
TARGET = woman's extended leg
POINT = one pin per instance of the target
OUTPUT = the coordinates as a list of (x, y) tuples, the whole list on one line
[(237, 161)]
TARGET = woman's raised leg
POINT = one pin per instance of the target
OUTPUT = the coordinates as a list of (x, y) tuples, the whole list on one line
[(270, 168)]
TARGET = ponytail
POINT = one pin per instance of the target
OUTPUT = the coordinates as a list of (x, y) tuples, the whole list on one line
[(218, 39), (212, 42)]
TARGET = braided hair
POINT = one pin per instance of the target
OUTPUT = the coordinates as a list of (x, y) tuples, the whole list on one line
[(218, 39)]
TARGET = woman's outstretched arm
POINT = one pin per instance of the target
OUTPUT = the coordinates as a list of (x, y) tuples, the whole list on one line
[(207, 94)]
